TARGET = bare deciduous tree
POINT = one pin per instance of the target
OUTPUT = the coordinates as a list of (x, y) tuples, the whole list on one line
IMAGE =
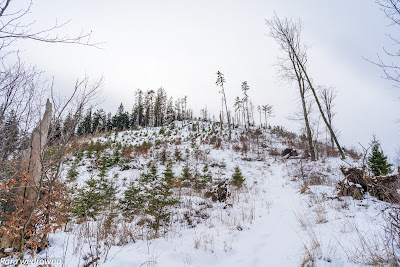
[(21, 86), (390, 67), (30, 175), (328, 95), (13, 27), (287, 33), (32, 211)]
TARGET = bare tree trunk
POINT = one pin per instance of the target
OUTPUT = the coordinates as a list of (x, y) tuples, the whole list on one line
[(33, 169), (244, 117), (328, 95), (302, 90), (32, 157), (227, 113), (308, 130), (287, 33), (247, 113), (265, 115), (333, 135), (220, 122)]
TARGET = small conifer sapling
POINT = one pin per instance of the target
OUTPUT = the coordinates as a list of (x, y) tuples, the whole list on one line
[(377, 161), (237, 177)]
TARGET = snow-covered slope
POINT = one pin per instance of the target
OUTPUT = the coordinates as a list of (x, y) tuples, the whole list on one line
[(277, 218)]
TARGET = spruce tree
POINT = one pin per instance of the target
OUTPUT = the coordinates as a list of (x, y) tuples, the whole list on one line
[(186, 175), (109, 123), (89, 199), (377, 161), (121, 120), (133, 119), (138, 108), (205, 177), (169, 174), (99, 121), (85, 127), (158, 196), (150, 195), (133, 201), (148, 105), (237, 177), (170, 116)]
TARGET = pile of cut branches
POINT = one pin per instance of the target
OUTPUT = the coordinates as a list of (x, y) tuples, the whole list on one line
[(356, 183)]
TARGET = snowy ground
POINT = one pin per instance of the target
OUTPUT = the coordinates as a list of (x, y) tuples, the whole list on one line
[(271, 221)]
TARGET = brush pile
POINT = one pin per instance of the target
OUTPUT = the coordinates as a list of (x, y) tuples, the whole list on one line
[(356, 183)]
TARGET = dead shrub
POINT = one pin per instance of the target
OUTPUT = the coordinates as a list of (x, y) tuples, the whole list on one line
[(316, 178), (178, 141), (284, 134), (304, 189), (242, 138), (47, 216), (218, 143), (352, 153), (245, 148), (127, 152), (143, 149), (372, 249), (236, 148), (274, 152), (334, 154)]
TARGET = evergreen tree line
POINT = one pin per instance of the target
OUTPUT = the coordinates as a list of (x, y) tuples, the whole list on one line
[(151, 109)]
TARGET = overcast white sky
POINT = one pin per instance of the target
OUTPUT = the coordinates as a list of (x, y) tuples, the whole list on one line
[(180, 45)]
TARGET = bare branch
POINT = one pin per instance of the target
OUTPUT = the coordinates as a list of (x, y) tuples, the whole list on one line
[(12, 28)]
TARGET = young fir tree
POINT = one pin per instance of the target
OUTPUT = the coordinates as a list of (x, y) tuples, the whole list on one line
[(168, 173), (163, 156), (98, 194), (237, 177), (158, 196), (73, 173), (377, 161), (205, 177), (133, 201), (186, 175), (151, 195)]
